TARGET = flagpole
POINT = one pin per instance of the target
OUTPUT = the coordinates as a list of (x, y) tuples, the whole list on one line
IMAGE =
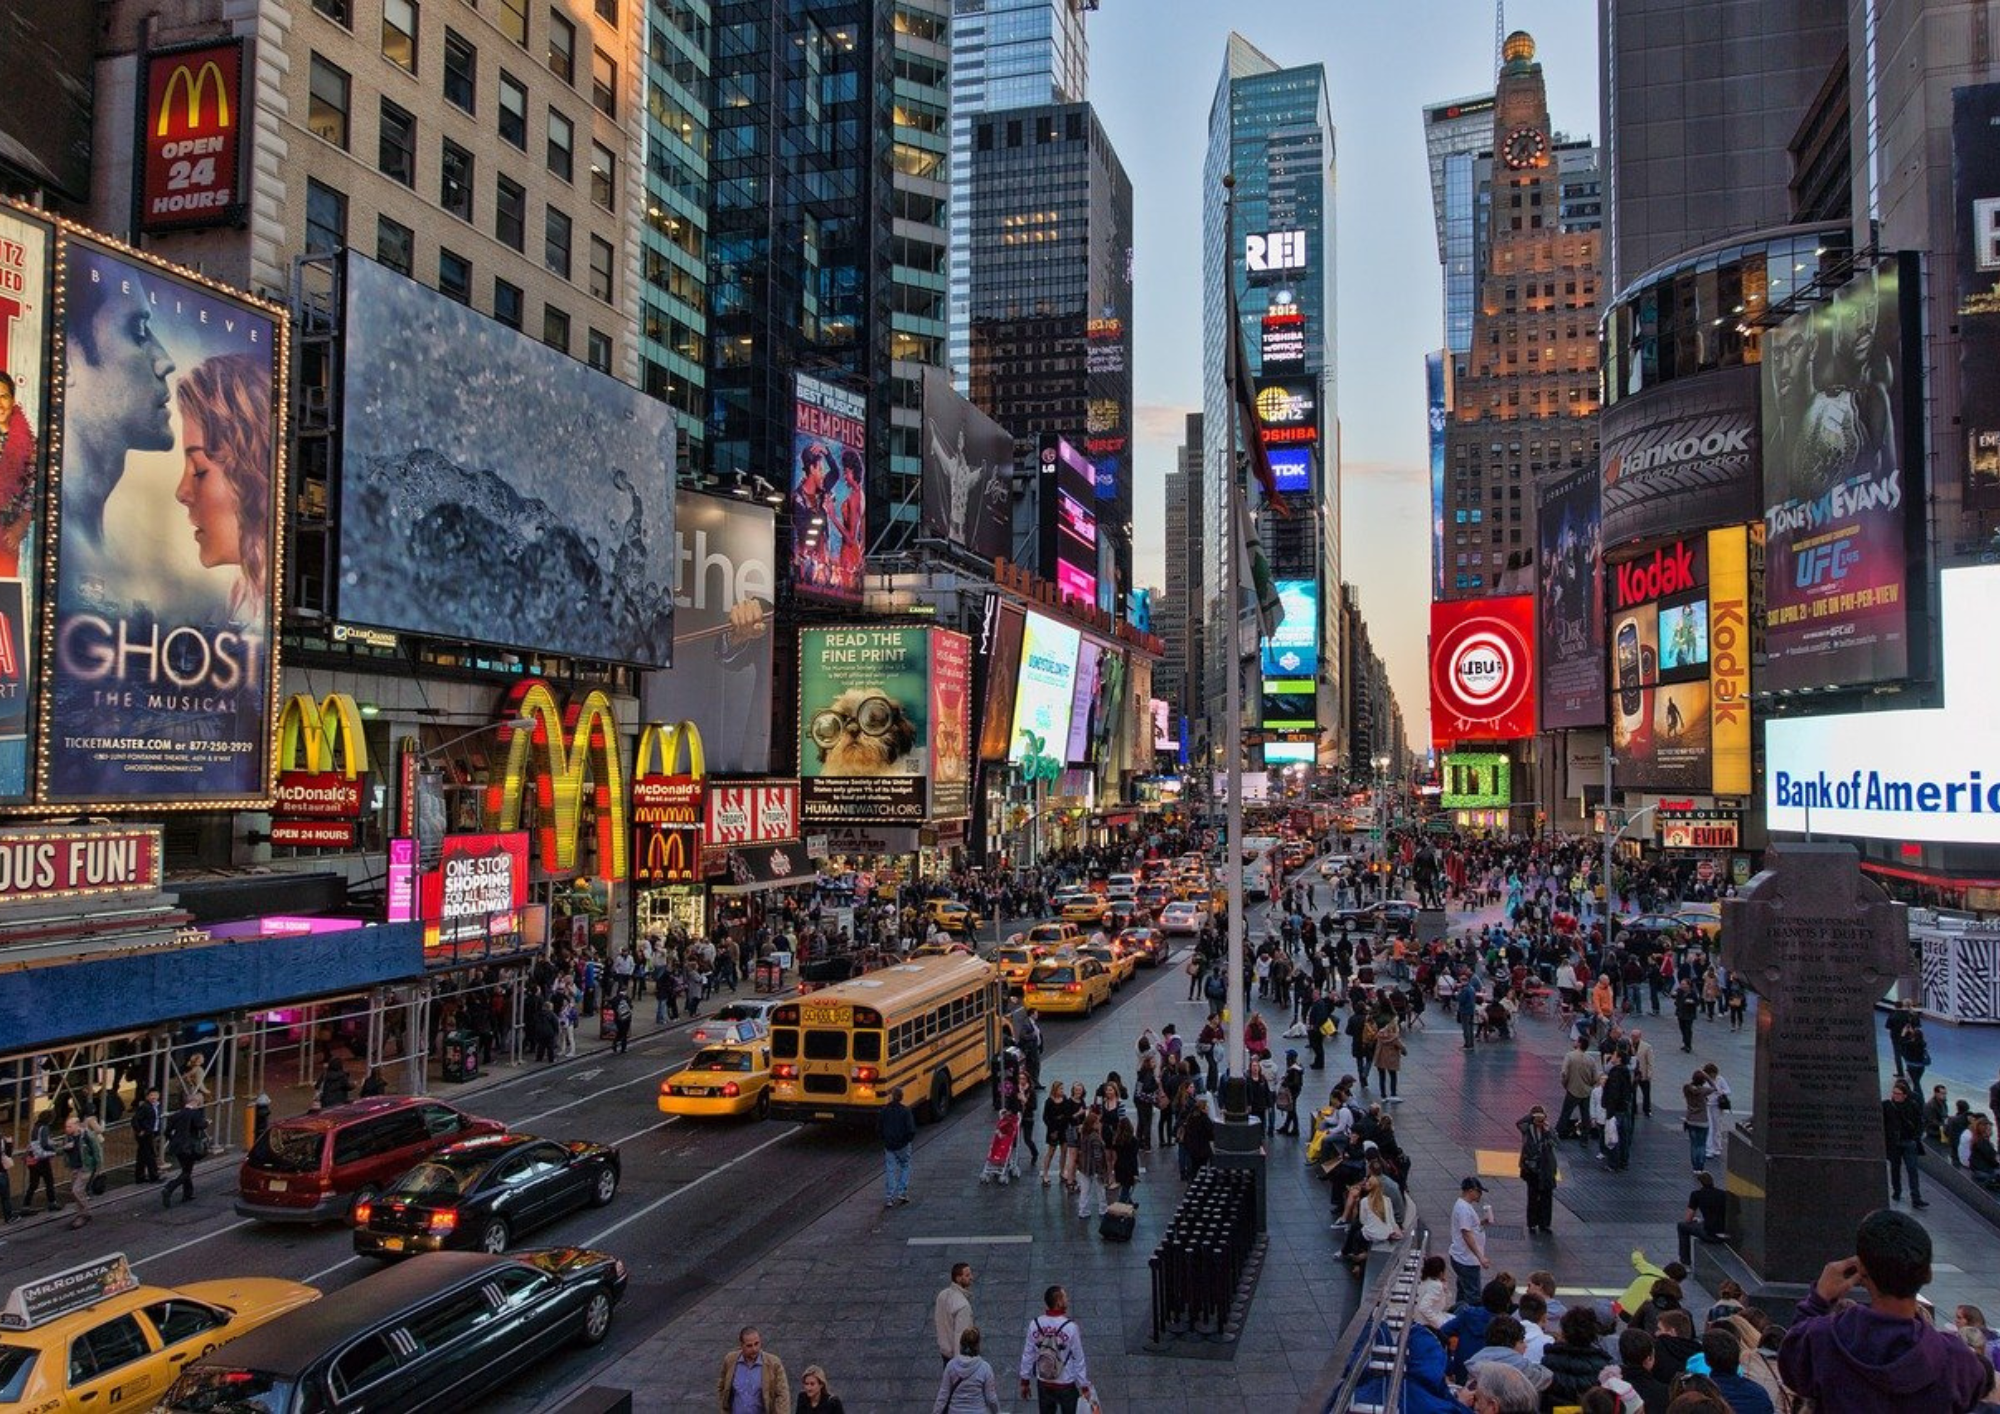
[(1235, 1090)]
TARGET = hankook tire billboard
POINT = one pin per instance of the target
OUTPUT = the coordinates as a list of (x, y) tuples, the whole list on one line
[(1682, 457)]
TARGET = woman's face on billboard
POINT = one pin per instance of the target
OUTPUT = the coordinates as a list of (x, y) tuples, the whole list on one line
[(211, 501)]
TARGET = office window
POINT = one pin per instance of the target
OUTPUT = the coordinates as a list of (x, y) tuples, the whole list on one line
[(562, 48), (597, 350), (555, 328), (399, 33), (455, 181), (461, 71), (455, 276), (514, 21), (513, 110), (562, 145), (339, 11), (603, 176), (326, 110), (397, 150), (326, 219), (510, 213), (601, 256), (555, 243), (507, 303), (604, 82), (395, 245), (607, 10)]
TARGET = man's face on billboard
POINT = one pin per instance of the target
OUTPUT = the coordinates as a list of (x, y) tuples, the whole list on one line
[(1788, 361), (123, 370)]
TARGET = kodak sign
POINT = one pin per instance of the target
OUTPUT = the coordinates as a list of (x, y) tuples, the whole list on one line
[(569, 758), (190, 139), (667, 804), (322, 770)]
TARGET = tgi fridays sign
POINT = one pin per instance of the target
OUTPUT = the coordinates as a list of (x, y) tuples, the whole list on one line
[(40, 864), (753, 812)]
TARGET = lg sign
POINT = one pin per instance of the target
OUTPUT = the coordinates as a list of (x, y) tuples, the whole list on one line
[(1482, 669), (1279, 250)]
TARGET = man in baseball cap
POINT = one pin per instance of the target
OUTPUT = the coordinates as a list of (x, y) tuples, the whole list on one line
[(1468, 1238)]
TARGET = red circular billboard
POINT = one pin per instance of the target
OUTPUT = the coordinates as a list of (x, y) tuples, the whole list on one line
[(1483, 669)]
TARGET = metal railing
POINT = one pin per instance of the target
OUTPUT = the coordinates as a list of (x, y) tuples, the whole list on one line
[(1376, 1343)]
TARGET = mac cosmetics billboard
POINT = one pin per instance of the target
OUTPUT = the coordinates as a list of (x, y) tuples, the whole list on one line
[(725, 585), (1569, 566), (1000, 633), (1838, 486), (494, 490), (968, 462), (162, 687)]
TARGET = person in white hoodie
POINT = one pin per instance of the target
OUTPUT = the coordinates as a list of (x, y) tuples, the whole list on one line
[(969, 1385)]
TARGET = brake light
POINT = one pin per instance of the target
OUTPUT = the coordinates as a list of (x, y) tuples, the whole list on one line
[(1072, 986), (731, 1090), (444, 1220), (784, 1070), (865, 1074), (362, 1211)]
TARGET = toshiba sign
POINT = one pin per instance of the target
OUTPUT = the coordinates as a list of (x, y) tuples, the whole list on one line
[(1483, 669)]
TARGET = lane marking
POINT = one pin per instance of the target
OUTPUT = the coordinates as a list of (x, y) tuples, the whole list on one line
[(329, 1271), (1008, 1240), (597, 1239), (599, 1094), (195, 1241), (641, 1133)]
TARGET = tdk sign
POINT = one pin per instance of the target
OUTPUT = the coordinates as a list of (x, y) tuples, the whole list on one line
[(1275, 251)]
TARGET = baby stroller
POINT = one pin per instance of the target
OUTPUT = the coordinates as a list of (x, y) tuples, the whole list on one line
[(1000, 1163)]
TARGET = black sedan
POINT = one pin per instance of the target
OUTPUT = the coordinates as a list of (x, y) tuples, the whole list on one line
[(1395, 916), (437, 1333), (480, 1194)]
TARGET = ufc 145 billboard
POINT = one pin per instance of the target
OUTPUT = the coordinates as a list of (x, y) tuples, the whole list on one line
[(1483, 669), (884, 725)]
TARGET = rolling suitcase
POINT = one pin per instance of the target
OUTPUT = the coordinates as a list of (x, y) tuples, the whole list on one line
[(1117, 1223)]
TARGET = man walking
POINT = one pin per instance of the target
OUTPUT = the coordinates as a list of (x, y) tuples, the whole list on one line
[(951, 1313), (187, 1141), (621, 1023), (753, 1379), (1580, 1075), (1467, 1001), (899, 1134), (1538, 1169), (146, 1139), (85, 1156), (1642, 1071), (1619, 1115), (1468, 1239), (1902, 1135), (1052, 1357)]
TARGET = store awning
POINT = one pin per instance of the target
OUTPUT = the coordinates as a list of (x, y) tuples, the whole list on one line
[(766, 866)]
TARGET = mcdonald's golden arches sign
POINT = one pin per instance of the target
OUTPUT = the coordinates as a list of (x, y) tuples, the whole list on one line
[(571, 756), (190, 138), (322, 770), (667, 805)]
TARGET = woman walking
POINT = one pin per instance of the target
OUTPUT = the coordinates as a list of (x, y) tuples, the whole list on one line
[(1055, 1133), (1145, 1099), (1079, 1109), (1091, 1166), (1389, 1051)]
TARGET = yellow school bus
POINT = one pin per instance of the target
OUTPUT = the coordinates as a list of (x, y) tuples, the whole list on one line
[(930, 1025)]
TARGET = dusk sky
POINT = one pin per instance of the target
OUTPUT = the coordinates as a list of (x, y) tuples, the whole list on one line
[(1154, 65)]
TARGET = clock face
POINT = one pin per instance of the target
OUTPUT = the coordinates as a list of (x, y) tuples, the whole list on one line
[(1526, 147)]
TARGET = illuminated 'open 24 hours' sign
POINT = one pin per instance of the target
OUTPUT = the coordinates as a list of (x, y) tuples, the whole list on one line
[(667, 805)]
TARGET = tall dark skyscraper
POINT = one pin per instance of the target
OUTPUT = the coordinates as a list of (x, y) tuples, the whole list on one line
[(1051, 295), (1179, 617)]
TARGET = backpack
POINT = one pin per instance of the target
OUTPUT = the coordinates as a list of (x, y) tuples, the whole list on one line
[(1051, 1352)]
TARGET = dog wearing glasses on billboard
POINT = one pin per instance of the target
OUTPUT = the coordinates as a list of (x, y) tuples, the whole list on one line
[(863, 734)]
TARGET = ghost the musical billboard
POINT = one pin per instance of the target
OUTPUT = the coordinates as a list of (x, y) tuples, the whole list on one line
[(161, 686)]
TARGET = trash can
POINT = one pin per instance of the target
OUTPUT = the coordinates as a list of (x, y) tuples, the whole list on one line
[(461, 1057)]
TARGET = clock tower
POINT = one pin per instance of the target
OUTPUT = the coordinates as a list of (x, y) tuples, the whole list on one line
[(1524, 406)]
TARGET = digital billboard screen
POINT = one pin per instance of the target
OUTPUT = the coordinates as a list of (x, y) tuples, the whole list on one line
[(1000, 633), (1046, 691), (462, 511), (725, 587), (1069, 520), (1483, 669), (1474, 780), (1288, 753), (162, 687), (1164, 738), (968, 472), (1288, 411), (1290, 705), (1569, 567), (27, 248), (869, 724), (1291, 469), (1837, 489), (829, 497), (1293, 651), (1083, 701), (1975, 185)]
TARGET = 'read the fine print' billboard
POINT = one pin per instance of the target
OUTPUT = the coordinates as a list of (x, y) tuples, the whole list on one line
[(465, 508), (884, 725), (1839, 487), (161, 687)]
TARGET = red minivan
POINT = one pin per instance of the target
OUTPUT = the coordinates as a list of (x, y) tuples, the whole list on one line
[(311, 1168)]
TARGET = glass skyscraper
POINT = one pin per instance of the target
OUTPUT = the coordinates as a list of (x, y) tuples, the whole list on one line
[(673, 234), (1271, 128), (1004, 54)]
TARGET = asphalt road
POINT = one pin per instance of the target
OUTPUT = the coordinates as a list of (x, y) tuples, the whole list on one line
[(699, 1200)]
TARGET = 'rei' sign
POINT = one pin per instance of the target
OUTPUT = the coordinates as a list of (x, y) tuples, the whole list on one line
[(191, 138)]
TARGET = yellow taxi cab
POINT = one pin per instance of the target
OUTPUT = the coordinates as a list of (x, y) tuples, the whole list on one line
[(1084, 907), (1122, 965), (720, 1081), (951, 915), (93, 1338), (1015, 961), (1073, 983), (1050, 936), (1702, 919)]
